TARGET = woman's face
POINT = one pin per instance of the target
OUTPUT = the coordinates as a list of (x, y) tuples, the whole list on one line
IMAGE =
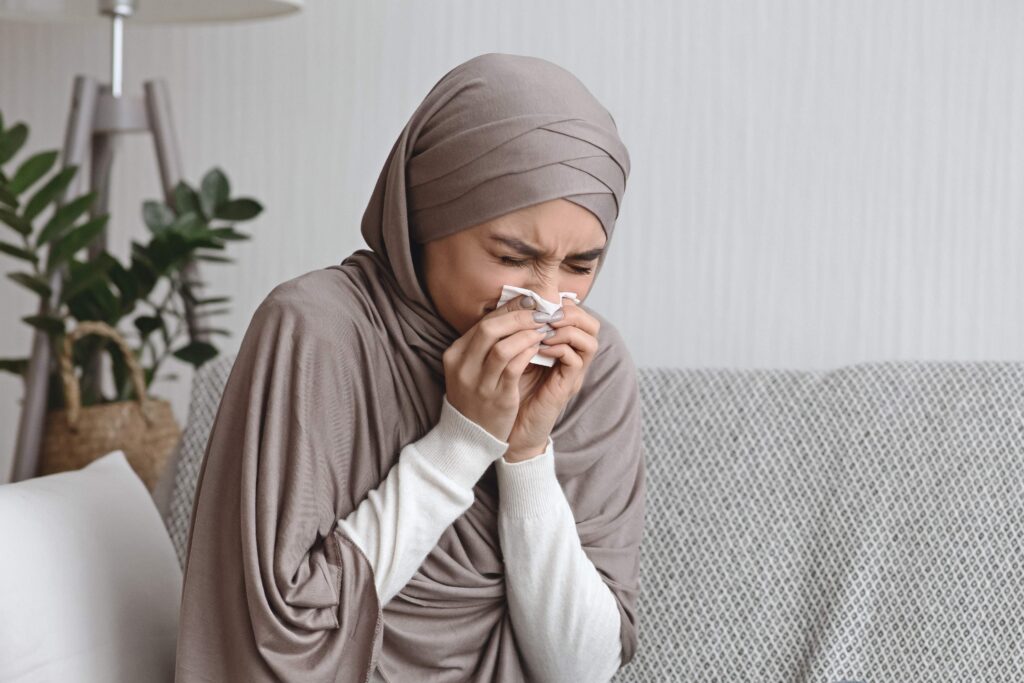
[(549, 247)]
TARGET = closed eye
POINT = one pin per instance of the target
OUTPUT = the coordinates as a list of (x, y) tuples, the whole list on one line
[(519, 263)]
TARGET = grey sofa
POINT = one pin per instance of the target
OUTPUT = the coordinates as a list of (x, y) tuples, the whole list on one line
[(859, 524)]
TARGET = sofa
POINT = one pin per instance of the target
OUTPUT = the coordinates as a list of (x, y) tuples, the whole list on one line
[(864, 523), (857, 524)]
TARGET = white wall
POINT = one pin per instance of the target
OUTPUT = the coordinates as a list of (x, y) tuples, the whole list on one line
[(813, 184)]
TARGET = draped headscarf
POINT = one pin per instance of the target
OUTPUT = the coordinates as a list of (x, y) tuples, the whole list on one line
[(341, 367)]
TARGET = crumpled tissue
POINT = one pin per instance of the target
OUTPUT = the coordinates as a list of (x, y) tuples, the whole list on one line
[(508, 292)]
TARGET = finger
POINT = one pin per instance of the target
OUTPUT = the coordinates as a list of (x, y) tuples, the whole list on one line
[(505, 320), (584, 344), (469, 351), (516, 367), (564, 354), (578, 317), (506, 351)]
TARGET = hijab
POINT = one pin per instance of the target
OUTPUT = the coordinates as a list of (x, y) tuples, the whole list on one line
[(341, 367)]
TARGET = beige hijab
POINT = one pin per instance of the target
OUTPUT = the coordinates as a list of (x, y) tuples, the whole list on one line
[(341, 367)]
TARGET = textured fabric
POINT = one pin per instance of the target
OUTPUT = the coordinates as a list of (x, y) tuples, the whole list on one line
[(566, 619), (341, 367), (502, 132), (398, 522), (497, 133), (268, 582), (550, 578), (860, 524), (204, 397)]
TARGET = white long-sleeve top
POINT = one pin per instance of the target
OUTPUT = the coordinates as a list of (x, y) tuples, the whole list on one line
[(565, 617)]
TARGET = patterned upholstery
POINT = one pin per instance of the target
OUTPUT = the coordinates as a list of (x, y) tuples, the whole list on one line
[(207, 386), (858, 524)]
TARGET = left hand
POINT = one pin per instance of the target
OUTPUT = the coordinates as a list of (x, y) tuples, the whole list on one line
[(545, 391)]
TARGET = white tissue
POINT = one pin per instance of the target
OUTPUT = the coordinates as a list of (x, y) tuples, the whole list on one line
[(508, 292)]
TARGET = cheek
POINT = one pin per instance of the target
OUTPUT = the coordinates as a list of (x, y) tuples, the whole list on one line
[(473, 290), (581, 285)]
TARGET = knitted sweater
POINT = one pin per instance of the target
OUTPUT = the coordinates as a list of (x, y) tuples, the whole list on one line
[(565, 617)]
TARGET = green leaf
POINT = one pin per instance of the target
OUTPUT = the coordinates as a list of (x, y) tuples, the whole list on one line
[(76, 239), (95, 303), (11, 141), (19, 224), (63, 217), (157, 215), (18, 252), (168, 250), (83, 276), (147, 323), (126, 284), (196, 353), (185, 199), (42, 198), (229, 233), (16, 365), (190, 224), (143, 270), (33, 282), (239, 210), (213, 191), (214, 258), (31, 170), (47, 323), (212, 300), (8, 197)]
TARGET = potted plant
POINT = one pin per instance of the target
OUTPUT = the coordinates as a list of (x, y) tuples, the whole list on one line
[(151, 296)]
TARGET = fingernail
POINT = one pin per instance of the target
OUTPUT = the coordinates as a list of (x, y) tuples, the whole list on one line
[(549, 334), (541, 317), (557, 315), (526, 301)]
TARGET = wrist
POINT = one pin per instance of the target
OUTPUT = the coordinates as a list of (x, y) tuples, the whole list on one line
[(520, 453)]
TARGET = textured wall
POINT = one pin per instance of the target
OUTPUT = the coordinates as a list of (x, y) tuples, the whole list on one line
[(813, 183)]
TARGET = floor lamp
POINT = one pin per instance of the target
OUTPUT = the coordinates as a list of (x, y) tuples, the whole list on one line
[(99, 113)]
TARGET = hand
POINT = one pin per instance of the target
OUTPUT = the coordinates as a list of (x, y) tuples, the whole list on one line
[(546, 391), (483, 367)]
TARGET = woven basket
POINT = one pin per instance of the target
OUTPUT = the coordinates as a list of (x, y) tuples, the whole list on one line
[(145, 429)]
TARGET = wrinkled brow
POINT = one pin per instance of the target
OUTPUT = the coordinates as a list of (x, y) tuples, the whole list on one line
[(530, 250)]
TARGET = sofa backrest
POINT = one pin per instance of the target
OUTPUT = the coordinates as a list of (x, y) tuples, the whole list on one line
[(858, 524)]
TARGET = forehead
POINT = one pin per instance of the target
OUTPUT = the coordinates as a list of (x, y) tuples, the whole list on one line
[(551, 223)]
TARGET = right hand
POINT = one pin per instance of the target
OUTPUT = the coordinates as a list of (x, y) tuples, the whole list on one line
[(482, 367)]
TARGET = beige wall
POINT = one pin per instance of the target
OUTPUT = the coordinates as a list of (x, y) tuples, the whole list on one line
[(813, 184)]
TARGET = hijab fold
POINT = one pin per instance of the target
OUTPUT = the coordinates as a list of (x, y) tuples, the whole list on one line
[(341, 367)]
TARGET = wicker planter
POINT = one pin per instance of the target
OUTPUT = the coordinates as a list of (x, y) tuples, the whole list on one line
[(145, 429)]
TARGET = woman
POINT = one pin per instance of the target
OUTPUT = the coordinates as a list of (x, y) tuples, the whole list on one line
[(391, 489)]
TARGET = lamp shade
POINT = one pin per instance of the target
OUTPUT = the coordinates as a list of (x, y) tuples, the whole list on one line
[(147, 11)]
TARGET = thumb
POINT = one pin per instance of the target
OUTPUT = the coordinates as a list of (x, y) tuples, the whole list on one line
[(524, 301)]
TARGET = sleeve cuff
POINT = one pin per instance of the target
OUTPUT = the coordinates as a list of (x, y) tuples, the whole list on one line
[(529, 488), (459, 447)]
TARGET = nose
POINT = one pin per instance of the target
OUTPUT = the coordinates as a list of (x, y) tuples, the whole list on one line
[(549, 292)]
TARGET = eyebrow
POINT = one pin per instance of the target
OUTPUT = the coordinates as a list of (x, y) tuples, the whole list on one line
[(530, 250)]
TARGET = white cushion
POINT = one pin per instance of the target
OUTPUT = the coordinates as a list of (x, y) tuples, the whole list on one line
[(90, 585)]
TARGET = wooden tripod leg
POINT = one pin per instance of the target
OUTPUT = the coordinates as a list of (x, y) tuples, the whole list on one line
[(104, 148), (78, 137), (158, 107)]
